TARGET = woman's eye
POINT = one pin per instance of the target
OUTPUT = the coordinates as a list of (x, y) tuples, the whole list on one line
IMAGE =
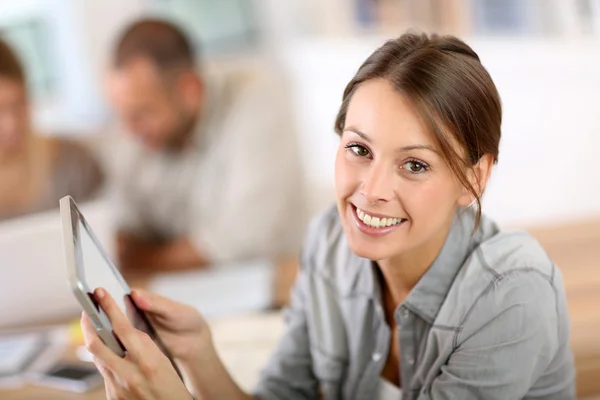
[(359, 150), (415, 167)]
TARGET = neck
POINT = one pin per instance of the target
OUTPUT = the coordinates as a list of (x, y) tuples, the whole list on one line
[(400, 274)]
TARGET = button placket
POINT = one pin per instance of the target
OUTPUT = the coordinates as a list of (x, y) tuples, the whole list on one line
[(404, 314), (405, 336)]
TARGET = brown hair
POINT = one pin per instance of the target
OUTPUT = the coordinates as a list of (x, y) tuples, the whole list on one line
[(162, 42), (449, 87), (10, 65)]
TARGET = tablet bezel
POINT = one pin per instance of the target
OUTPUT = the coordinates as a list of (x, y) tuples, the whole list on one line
[(71, 219)]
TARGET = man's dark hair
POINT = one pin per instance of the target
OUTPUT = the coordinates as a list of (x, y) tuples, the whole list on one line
[(10, 65), (163, 43)]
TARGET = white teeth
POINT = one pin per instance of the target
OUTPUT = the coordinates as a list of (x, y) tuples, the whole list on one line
[(377, 222)]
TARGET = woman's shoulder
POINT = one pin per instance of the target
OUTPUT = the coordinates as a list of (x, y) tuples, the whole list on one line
[(496, 261), (513, 251), (324, 233), (325, 225), (506, 270), (326, 252)]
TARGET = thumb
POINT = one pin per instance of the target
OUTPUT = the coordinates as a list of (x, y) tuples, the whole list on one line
[(152, 303), (163, 310)]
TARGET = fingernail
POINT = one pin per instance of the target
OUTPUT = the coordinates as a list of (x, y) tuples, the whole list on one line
[(100, 293)]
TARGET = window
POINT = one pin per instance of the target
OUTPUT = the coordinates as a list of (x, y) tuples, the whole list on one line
[(28, 39), (217, 26)]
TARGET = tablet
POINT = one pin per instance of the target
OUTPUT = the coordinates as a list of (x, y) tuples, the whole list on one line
[(89, 268)]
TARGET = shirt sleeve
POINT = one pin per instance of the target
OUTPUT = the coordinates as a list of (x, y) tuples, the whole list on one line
[(289, 373), (259, 202), (507, 342), (77, 172)]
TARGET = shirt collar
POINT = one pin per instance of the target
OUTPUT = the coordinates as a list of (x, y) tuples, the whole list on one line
[(428, 295)]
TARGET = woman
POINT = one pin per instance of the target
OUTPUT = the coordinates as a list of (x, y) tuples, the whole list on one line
[(35, 172), (405, 290)]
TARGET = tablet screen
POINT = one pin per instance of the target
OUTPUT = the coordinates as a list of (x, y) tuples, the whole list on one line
[(95, 270), (90, 268), (98, 272)]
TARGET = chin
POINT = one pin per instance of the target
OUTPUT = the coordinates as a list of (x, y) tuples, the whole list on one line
[(370, 244), (372, 251)]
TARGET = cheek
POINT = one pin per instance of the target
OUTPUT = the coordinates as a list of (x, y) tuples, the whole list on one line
[(347, 177), (428, 199), (171, 118)]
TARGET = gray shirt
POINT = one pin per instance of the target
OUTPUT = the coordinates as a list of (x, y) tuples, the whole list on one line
[(488, 320)]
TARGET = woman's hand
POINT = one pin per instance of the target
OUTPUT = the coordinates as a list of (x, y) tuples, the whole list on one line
[(181, 327), (144, 373), (187, 336)]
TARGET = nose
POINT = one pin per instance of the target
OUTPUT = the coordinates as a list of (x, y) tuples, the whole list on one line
[(377, 184)]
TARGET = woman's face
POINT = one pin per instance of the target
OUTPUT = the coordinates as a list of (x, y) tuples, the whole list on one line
[(395, 193), (14, 116)]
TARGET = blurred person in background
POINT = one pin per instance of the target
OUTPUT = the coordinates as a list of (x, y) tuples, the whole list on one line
[(36, 171), (207, 169), (406, 290)]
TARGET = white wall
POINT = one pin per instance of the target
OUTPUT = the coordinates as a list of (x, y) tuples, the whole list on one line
[(548, 168)]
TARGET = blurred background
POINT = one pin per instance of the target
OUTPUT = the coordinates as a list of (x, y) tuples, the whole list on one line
[(544, 56)]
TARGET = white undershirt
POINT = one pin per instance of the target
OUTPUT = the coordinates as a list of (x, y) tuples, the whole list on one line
[(388, 391)]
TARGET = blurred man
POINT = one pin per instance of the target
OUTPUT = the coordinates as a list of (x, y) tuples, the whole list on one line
[(207, 171)]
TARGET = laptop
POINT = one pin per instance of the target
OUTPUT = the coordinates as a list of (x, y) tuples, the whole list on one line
[(33, 287)]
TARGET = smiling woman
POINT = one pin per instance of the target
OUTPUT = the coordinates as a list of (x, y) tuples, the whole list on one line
[(406, 291)]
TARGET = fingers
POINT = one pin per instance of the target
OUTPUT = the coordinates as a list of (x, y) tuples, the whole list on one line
[(158, 306), (103, 369), (122, 327), (99, 350), (128, 377)]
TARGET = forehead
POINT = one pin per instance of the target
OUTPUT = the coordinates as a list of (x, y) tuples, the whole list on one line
[(379, 110), (138, 78)]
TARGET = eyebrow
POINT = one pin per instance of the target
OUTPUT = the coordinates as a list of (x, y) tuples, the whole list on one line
[(404, 148)]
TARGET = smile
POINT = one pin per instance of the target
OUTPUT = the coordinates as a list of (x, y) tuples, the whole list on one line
[(375, 225), (377, 222)]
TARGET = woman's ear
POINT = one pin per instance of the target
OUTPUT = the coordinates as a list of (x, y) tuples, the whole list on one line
[(478, 177)]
